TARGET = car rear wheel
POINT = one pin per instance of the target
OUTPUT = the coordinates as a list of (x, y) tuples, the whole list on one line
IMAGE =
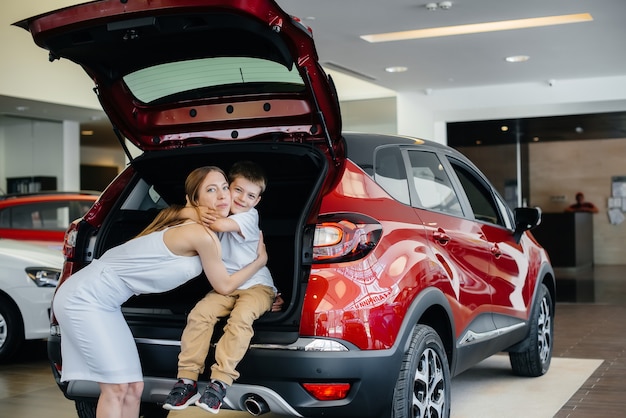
[(151, 410), (11, 329), (535, 358), (86, 409), (423, 387)]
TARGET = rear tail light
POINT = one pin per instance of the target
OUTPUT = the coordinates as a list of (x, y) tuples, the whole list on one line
[(69, 242), (344, 237), (327, 391), (74, 256)]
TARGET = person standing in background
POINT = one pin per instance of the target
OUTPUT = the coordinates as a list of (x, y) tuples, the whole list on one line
[(581, 205)]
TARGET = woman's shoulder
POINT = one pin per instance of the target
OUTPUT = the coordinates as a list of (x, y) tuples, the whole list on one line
[(188, 226), (196, 230), (189, 238)]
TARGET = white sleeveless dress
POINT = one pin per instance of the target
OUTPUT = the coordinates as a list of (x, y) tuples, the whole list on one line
[(96, 343)]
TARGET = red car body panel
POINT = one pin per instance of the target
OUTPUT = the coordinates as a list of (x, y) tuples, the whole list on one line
[(480, 268)]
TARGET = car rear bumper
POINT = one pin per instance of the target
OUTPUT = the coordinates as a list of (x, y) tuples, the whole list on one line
[(275, 377)]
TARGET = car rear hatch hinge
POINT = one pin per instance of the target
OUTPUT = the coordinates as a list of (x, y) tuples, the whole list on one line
[(122, 142), (321, 117)]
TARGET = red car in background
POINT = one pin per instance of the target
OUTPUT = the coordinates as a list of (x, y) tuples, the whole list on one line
[(42, 218)]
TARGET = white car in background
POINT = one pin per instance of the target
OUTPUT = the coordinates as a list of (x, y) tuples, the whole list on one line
[(28, 277)]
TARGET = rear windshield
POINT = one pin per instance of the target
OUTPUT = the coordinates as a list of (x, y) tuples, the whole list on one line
[(205, 77)]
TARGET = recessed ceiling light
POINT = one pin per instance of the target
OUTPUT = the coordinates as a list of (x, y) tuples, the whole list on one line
[(396, 69), (477, 28), (517, 58), (504, 128), (86, 133)]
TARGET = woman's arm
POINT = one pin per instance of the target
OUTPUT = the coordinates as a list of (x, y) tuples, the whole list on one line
[(208, 248), (225, 225), (201, 214), (209, 218)]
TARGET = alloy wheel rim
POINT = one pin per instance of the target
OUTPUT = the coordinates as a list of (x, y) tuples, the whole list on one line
[(544, 333), (428, 386), (3, 331)]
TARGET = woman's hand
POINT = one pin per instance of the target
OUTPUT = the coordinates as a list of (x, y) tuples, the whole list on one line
[(201, 214), (261, 252), (207, 215)]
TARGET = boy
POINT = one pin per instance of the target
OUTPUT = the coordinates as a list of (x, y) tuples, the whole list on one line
[(239, 236)]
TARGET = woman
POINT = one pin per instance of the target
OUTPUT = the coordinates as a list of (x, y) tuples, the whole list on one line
[(97, 344)]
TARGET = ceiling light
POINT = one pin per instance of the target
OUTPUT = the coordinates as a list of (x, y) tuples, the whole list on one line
[(396, 69), (86, 133), (478, 28), (504, 128), (517, 58), (444, 5), (21, 108)]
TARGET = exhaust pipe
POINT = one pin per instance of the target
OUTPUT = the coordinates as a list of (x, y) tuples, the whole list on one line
[(255, 405)]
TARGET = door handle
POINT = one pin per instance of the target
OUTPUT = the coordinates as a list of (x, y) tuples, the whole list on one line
[(495, 250)]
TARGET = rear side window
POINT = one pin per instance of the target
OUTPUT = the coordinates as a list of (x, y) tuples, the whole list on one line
[(390, 173), (432, 184), (144, 197)]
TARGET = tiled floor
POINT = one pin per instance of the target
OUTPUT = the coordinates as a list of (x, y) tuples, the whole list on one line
[(590, 323)]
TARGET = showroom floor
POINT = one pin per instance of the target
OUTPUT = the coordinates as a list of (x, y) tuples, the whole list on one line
[(590, 323)]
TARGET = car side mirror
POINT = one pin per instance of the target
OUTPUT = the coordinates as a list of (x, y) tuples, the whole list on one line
[(525, 219)]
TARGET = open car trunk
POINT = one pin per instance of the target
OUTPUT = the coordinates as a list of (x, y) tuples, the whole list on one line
[(295, 173)]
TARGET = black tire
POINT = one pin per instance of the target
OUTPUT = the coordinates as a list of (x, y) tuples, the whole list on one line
[(424, 384), (86, 409), (536, 353), (11, 329), (152, 410)]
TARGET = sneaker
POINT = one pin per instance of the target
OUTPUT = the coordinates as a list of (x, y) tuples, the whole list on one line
[(181, 396), (211, 399)]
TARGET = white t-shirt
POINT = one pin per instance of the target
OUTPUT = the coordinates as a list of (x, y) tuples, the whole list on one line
[(239, 250)]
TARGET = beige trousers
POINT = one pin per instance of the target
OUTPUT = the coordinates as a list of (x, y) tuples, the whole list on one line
[(242, 307)]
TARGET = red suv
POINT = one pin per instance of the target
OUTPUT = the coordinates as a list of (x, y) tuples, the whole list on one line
[(42, 218), (399, 263)]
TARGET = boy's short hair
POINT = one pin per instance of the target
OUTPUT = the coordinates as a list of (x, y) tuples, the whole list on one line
[(249, 170)]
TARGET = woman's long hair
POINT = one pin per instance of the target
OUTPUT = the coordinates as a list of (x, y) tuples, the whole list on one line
[(170, 216)]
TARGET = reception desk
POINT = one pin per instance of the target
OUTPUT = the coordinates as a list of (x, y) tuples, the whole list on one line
[(568, 238)]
